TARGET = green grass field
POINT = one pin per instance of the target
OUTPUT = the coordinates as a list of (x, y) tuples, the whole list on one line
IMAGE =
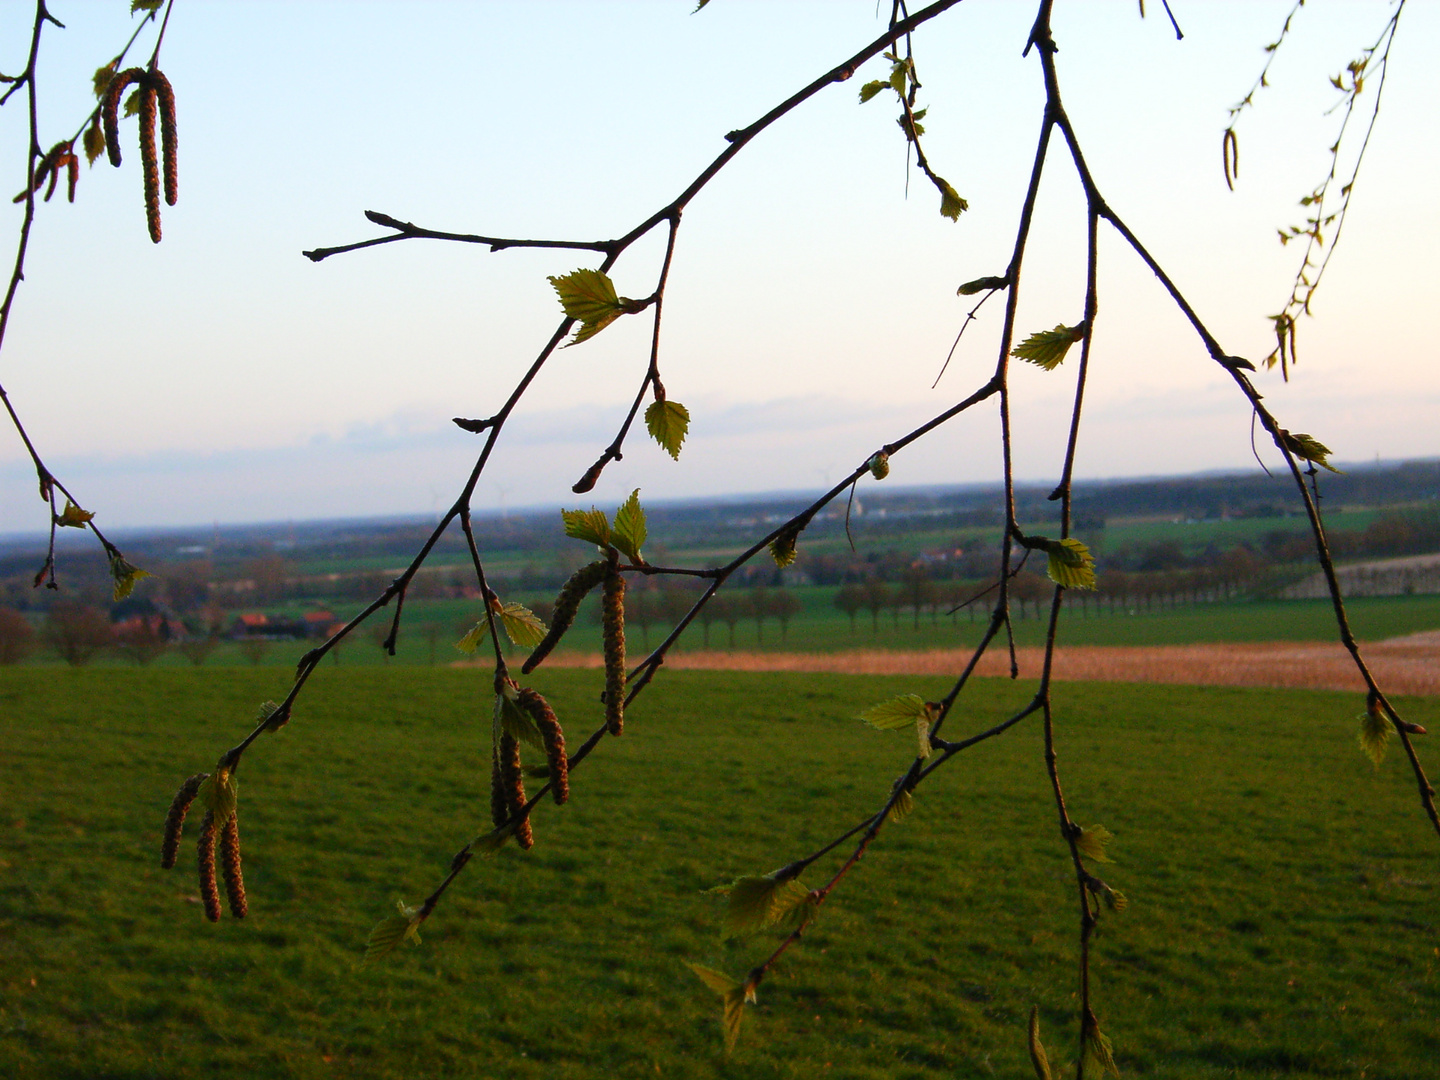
[(1283, 917)]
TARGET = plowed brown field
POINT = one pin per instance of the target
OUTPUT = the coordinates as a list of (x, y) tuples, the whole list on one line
[(1405, 665)]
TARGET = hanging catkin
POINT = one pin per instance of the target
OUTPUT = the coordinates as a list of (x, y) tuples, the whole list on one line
[(230, 867), (110, 110), (514, 784), (566, 605), (175, 819), (169, 134), (149, 163), (553, 737), (613, 624), (205, 860)]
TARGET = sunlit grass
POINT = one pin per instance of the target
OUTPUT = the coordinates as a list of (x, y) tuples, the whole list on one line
[(1283, 893)]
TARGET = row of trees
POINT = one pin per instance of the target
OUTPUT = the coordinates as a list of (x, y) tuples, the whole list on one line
[(78, 633)]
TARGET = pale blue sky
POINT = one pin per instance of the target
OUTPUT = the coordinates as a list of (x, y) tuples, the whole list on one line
[(220, 375)]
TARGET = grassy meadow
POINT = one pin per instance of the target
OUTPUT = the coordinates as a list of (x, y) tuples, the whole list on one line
[(1284, 916)]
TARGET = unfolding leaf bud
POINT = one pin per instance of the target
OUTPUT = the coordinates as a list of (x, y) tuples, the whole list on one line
[(567, 604), (513, 783), (558, 769), (970, 288), (94, 141), (205, 860), (592, 475), (230, 867), (175, 819), (879, 465), (613, 632)]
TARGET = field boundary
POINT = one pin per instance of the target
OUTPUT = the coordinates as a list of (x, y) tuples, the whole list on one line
[(1406, 665)]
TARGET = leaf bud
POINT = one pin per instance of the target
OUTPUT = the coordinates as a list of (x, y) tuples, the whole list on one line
[(970, 288)]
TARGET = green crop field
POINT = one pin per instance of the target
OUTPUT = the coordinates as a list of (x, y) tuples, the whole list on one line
[(1283, 917)]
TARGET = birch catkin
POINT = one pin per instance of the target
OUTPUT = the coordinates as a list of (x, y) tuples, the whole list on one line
[(205, 859), (169, 134), (613, 623), (110, 110), (554, 738), (513, 777), (566, 605), (230, 867), (175, 820), (150, 165)]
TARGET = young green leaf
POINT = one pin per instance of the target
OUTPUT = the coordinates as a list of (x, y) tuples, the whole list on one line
[(734, 1013), (219, 794), (1048, 347), (922, 734), (760, 902), (896, 713), (125, 574), (101, 79), (270, 713), (73, 517), (487, 844), (1307, 448), (733, 993), (590, 525), (516, 722), (132, 103), (951, 204), (589, 297), (629, 533), (1375, 731), (474, 638), (902, 808), (388, 933), (715, 980), (898, 71), (1098, 1050), (522, 626), (870, 89), (782, 548), (801, 914), (94, 141), (1070, 564), (1038, 1057), (1091, 842), (668, 423), (145, 5), (911, 126)]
